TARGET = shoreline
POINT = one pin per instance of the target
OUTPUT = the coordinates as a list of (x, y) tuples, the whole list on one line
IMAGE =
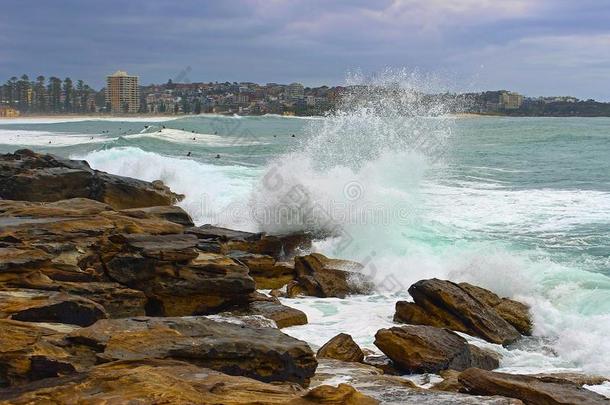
[(140, 271)]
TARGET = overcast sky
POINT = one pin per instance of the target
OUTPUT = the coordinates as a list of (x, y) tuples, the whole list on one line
[(537, 47)]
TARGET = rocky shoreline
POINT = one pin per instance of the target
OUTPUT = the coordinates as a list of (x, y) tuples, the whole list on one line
[(110, 294)]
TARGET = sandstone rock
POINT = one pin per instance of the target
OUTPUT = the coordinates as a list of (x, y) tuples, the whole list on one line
[(173, 382), (529, 389), (265, 270), (342, 347), (261, 305), (28, 352), (514, 312), (29, 176), (283, 316), (389, 389), (445, 304), (205, 284), (169, 213), (117, 300), (63, 238), (265, 354), (279, 247), (322, 277), (450, 381), (294, 289), (43, 306), (422, 349), (343, 394), (575, 378)]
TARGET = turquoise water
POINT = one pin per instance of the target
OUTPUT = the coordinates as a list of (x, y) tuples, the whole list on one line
[(518, 205)]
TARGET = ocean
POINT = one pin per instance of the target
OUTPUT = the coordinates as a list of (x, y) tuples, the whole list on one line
[(520, 206)]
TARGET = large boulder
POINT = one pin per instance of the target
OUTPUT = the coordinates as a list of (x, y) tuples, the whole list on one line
[(49, 306), (173, 382), (319, 276), (531, 390), (342, 347), (445, 304), (29, 176), (514, 312), (426, 349), (265, 354)]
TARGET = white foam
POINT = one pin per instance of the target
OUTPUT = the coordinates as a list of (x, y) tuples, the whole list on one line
[(48, 139), (191, 138), (214, 194)]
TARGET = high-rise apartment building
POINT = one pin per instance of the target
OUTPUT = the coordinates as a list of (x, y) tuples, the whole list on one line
[(123, 92)]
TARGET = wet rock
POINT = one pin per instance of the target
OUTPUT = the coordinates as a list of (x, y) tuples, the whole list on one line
[(343, 394), (28, 176), (265, 354), (261, 305), (283, 315), (169, 213), (173, 382), (322, 277), (513, 312), (425, 349), (531, 390), (395, 390), (42, 306), (445, 304), (450, 381), (342, 347)]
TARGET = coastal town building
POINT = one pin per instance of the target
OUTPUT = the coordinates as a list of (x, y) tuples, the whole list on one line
[(295, 91), (123, 93), (509, 100), (8, 112)]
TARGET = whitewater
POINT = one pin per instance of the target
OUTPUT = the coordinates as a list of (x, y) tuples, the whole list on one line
[(520, 206)]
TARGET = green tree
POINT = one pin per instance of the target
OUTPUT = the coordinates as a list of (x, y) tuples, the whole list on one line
[(197, 108), (68, 94), (81, 97), (23, 93), (11, 91), (40, 95), (54, 92)]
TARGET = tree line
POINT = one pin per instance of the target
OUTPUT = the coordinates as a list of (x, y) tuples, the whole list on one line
[(52, 95)]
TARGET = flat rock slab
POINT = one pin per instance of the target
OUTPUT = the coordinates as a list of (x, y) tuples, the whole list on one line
[(29, 176), (265, 354), (531, 390), (172, 382), (48, 306), (169, 213), (27, 353)]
